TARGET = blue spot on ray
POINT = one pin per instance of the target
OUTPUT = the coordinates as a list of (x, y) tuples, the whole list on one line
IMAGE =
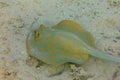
[(82, 35), (57, 52), (70, 55), (83, 38), (79, 60), (42, 45), (48, 57), (60, 54), (39, 52), (56, 43), (36, 44), (46, 51), (43, 34), (35, 51), (48, 39), (53, 32), (46, 46), (45, 40), (56, 60)]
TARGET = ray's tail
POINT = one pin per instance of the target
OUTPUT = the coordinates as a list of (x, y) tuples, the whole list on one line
[(104, 55)]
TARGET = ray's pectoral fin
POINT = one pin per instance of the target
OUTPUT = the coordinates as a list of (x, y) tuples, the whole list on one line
[(103, 55), (55, 70)]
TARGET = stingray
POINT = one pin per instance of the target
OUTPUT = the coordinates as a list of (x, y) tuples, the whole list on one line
[(65, 42)]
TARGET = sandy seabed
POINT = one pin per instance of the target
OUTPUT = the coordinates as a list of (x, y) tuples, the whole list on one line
[(19, 17)]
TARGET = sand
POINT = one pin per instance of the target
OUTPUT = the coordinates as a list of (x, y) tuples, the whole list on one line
[(19, 17)]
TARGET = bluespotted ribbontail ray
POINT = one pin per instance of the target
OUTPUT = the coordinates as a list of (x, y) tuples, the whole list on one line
[(65, 42)]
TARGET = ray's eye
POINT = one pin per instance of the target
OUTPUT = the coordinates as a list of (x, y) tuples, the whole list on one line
[(36, 32), (42, 26)]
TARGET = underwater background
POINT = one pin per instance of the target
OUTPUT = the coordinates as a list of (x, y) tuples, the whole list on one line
[(19, 17)]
